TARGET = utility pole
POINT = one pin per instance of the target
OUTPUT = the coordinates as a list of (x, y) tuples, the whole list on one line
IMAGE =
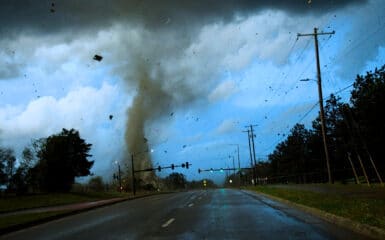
[(250, 134), (322, 114), (251, 156), (255, 159), (120, 178)]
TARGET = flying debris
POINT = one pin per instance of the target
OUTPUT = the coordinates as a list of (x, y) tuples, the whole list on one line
[(52, 7), (165, 151), (172, 114), (145, 140), (110, 117), (184, 146), (98, 58)]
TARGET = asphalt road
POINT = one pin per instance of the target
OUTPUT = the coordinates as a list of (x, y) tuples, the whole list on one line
[(211, 214)]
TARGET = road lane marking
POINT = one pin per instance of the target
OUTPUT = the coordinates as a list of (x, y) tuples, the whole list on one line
[(199, 198), (191, 204), (168, 222)]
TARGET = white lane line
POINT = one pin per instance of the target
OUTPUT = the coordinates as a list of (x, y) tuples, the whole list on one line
[(168, 222), (191, 204)]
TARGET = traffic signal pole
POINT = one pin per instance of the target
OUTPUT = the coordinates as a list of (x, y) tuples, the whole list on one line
[(133, 175)]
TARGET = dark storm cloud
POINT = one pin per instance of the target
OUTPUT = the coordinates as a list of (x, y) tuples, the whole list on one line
[(53, 16)]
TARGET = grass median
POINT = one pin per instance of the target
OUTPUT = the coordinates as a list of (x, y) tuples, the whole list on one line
[(15, 203), (362, 204), (10, 204), (12, 222)]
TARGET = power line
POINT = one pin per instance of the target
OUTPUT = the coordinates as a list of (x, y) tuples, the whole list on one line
[(305, 115)]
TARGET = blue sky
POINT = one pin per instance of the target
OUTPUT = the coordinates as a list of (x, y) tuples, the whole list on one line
[(209, 76)]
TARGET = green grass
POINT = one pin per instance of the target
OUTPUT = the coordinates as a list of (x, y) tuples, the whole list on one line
[(14, 220), (13, 203), (354, 203)]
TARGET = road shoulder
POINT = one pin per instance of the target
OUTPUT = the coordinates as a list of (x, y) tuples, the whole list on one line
[(367, 230)]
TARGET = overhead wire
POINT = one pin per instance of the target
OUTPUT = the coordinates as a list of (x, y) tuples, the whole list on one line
[(306, 114)]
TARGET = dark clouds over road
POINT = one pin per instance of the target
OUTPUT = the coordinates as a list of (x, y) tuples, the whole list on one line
[(53, 16)]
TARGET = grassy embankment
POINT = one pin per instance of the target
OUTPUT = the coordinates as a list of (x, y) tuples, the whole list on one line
[(357, 202), (16, 203)]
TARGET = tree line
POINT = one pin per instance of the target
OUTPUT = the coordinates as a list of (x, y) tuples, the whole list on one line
[(355, 134), (47, 165)]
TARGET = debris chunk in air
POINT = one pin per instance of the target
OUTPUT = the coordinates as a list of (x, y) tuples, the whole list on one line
[(52, 7), (98, 57), (110, 117)]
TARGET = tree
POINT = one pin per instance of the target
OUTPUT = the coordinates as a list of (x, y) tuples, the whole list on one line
[(368, 113), (22, 180), (290, 157), (96, 184), (176, 181), (7, 166), (62, 157)]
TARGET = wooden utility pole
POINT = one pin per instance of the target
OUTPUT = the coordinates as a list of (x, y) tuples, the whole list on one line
[(250, 133), (354, 169), (363, 169), (251, 157), (322, 114), (254, 157)]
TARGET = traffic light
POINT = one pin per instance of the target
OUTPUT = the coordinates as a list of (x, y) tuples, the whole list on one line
[(221, 170), (172, 166), (199, 170), (187, 164), (211, 170), (183, 165), (159, 168)]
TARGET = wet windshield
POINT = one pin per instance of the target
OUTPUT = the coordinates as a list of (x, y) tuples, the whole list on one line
[(136, 97)]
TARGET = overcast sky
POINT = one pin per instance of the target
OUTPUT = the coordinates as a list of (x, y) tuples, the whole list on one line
[(184, 77)]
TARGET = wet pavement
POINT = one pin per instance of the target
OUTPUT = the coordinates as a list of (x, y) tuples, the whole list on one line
[(206, 214)]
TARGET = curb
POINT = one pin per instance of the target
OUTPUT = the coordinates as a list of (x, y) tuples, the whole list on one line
[(21, 226), (367, 230)]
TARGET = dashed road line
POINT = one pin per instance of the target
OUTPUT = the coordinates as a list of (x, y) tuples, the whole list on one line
[(191, 204), (168, 222)]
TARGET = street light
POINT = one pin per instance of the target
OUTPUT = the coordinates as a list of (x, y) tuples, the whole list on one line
[(323, 125), (119, 176), (239, 163)]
